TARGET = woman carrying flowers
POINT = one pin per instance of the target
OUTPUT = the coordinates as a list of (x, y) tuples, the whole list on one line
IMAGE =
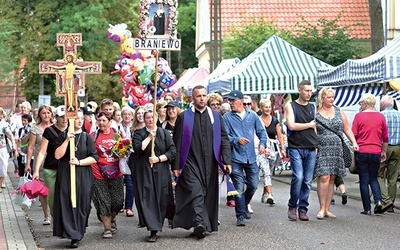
[(108, 188)]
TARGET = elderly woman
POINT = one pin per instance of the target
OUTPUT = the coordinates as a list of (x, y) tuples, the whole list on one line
[(5, 132), (151, 174), (126, 124), (371, 133), (214, 101), (277, 149), (108, 188), (68, 221), (331, 124), (44, 120)]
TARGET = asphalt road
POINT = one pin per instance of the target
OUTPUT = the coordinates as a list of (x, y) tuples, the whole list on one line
[(268, 228)]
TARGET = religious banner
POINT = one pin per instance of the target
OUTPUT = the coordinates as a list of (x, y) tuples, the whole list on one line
[(158, 18)]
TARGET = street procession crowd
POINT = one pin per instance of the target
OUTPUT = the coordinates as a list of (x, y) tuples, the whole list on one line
[(171, 165)]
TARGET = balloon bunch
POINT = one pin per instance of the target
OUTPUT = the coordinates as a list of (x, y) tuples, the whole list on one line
[(137, 69)]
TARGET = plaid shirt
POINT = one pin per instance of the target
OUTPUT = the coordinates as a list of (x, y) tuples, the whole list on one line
[(392, 117)]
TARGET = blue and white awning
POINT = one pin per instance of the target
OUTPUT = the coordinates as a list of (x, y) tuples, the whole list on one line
[(275, 67), (380, 67)]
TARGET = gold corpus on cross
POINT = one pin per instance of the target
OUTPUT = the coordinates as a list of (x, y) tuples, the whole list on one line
[(70, 83)]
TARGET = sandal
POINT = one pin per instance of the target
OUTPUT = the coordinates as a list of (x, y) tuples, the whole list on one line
[(320, 215), (129, 213), (330, 215), (114, 227), (46, 221), (107, 234)]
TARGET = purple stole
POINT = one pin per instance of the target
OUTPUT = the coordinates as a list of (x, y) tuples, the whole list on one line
[(188, 123)]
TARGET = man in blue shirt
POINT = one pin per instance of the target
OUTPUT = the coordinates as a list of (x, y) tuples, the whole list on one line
[(242, 124), (392, 162)]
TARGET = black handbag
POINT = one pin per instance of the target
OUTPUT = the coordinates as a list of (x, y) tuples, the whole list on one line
[(348, 151)]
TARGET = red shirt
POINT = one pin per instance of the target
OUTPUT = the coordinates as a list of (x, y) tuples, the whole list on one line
[(370, 131), (104, 144)]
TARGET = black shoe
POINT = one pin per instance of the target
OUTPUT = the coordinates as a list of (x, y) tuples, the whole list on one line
[(378, 208), (153, 237), (344, 198), (387, 207), (366, 212), (74, 244), (199, 232)]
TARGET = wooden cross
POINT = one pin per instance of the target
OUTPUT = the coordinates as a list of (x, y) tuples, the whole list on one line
[(70, 83)]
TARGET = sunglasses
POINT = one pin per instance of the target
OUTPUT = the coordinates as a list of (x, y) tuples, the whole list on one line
[(247, 103)]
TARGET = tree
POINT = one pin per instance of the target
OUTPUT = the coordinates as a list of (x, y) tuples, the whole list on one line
[(327, 41), (376, 20), (244, 40), (187, 34), (6, 65), (37, 24)]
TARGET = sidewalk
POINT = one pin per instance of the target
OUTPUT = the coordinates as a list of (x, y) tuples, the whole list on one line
[(13, 226)]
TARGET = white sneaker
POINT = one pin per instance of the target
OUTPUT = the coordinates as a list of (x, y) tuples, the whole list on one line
[(264, 198), (249, 208), (270, 199)]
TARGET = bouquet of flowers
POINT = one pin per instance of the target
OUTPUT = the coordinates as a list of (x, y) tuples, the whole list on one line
[(122, 147)]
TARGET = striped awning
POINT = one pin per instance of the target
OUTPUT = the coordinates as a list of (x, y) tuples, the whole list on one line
[(380, 67), (224, 67), (275, 67)]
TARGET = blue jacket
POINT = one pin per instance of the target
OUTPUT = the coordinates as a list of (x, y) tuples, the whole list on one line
[(248, 127)]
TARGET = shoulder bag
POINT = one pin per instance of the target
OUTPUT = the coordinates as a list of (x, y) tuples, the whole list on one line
[(348, 151)]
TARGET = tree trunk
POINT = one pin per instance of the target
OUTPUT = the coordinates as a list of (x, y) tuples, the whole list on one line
[(376, 20)]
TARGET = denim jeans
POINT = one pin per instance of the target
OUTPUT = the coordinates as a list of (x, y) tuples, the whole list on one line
[(368, 167), (129, 191), (302, 163), (244, 174)]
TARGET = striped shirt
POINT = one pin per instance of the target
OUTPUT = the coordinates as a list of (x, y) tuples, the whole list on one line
[(392, 117)]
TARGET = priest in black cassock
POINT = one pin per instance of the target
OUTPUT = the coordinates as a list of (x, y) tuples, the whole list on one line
[(202, 146)]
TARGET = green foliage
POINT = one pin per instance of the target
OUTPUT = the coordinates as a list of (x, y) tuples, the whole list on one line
[(6, 65), (242, 41), (327, 41), (37, 23), (186, 58)]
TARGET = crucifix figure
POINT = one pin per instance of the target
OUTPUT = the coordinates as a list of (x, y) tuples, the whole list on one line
[(70, 78), (70, 71)]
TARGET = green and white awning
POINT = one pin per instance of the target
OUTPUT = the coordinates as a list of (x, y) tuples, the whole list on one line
[(275, 67)]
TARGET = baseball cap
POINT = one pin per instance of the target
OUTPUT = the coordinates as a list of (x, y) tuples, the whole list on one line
[(60, 110), (173, 104), (235, 94), (87, 110)]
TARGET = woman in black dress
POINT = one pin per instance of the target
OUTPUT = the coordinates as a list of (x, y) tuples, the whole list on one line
[(153, 184), (71, 222)]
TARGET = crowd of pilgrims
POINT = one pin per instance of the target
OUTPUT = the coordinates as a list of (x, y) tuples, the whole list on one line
[(112, 183)]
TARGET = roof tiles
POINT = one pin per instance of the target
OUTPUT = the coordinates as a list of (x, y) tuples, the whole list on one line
[(285, 13)]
